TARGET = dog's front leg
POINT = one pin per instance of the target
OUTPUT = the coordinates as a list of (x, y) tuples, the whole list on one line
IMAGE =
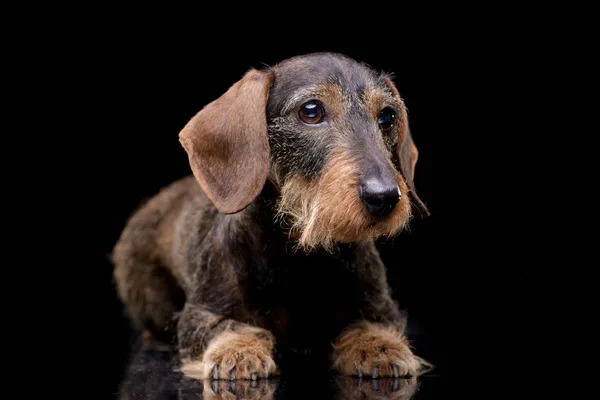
[(214, 347), (375, 344)]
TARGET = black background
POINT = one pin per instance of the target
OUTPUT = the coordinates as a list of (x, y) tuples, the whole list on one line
[(103, 93), (132, 95)]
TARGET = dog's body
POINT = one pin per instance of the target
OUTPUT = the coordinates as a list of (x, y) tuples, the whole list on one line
[(269, 248)]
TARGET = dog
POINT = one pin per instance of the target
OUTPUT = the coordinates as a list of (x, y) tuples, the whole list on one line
[(267, 248)]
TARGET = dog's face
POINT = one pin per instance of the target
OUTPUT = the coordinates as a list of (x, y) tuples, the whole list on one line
[(331, 134)]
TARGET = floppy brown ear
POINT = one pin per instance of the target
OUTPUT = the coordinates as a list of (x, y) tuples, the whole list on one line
[(227, 143), (408, 154)]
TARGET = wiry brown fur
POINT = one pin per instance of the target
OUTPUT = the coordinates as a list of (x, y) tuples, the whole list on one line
[(267, 251), (328, 211), (373, 350)]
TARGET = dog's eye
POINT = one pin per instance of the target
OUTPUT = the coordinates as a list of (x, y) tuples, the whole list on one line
[(386, 119), (311, 113)]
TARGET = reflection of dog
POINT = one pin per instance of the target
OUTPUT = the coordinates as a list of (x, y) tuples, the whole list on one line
[(239, 389), (151, 374), (375, 389), (269, 247)]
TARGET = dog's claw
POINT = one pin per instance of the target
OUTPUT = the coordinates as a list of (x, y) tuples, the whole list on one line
[(253, 376), (375, 372), (216, 372), (358, 371), (232, 374), (395, 368)]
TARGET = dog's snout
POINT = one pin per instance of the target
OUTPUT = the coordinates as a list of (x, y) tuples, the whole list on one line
[(379, 197)]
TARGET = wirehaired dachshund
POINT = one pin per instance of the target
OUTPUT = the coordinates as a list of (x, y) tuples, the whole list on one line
[(267, 249)]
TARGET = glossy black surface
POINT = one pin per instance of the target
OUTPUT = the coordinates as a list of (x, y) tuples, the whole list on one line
[(151, 374)]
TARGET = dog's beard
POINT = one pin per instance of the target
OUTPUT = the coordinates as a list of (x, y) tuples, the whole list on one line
[(329, 210)]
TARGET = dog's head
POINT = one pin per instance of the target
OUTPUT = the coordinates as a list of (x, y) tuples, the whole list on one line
[(330, 133)]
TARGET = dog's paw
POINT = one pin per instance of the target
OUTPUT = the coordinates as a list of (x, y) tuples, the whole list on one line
[(372, 350), (235, 355), (255, 390)]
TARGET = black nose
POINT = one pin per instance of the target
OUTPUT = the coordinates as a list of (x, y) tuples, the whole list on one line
[(380, 198)]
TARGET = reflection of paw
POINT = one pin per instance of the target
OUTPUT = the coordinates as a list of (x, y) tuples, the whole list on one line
[(368, 349), (350, 388), (235, 355), (255, 390)]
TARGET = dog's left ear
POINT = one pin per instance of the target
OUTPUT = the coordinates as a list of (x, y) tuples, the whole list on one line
[(408, 155), (227, 143)]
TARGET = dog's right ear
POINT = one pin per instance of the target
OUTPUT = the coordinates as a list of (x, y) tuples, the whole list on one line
[(227, 143), (408, 154)]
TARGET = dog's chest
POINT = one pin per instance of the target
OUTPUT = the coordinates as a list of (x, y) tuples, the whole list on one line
[(308, 299)]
